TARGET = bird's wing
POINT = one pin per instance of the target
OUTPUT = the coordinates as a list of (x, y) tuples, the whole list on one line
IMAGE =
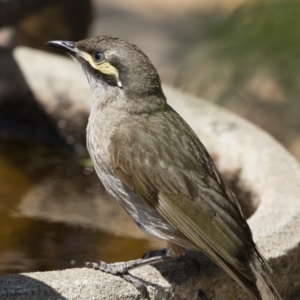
[(165, 164)]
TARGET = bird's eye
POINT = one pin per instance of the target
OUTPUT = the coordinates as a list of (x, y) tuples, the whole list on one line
[(98, 56)]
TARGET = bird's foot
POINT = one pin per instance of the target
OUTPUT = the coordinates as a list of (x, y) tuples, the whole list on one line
[(122, 269), (104, 267), (137, 283)]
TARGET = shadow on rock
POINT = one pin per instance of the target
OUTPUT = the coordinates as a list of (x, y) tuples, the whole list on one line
[(23, 287)]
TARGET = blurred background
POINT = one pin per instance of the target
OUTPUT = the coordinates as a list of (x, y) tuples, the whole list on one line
[(54, 213)]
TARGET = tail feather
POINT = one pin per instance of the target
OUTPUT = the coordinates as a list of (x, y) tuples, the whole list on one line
[(263, 282)]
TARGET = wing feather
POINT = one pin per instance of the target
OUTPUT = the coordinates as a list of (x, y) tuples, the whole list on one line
[(165, 164)]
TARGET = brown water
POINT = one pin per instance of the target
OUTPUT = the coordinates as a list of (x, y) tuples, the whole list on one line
[(55, 214)]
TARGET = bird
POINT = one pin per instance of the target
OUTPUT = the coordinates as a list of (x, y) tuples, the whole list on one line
[(151, 161)]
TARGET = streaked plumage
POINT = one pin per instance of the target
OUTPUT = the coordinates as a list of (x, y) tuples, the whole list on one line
[(154, 165)]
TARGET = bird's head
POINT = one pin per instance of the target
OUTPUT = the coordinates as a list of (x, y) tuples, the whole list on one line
[(114, 67)]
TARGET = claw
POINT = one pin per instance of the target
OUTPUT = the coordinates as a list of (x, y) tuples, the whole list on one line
[(137, 283), (90, 265), (123, 268)]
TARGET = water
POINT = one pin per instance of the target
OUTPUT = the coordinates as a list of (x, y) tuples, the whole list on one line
[(55, 214)]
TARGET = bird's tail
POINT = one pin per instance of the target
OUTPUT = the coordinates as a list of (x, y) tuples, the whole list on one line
[(262, 272)]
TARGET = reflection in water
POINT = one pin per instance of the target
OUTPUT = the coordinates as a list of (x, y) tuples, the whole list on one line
[(55, 214), (42, 246)]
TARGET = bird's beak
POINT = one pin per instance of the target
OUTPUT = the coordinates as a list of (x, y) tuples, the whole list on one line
[(67, 46)]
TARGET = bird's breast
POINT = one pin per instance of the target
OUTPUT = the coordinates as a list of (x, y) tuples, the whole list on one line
[(99, 133)]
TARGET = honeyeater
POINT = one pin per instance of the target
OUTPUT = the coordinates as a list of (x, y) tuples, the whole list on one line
[(150, 160)]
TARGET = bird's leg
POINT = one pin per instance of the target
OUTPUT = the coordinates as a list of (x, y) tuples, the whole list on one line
[(123, 268)]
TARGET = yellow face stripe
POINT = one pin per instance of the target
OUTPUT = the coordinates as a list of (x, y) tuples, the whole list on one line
[(103, 66)]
